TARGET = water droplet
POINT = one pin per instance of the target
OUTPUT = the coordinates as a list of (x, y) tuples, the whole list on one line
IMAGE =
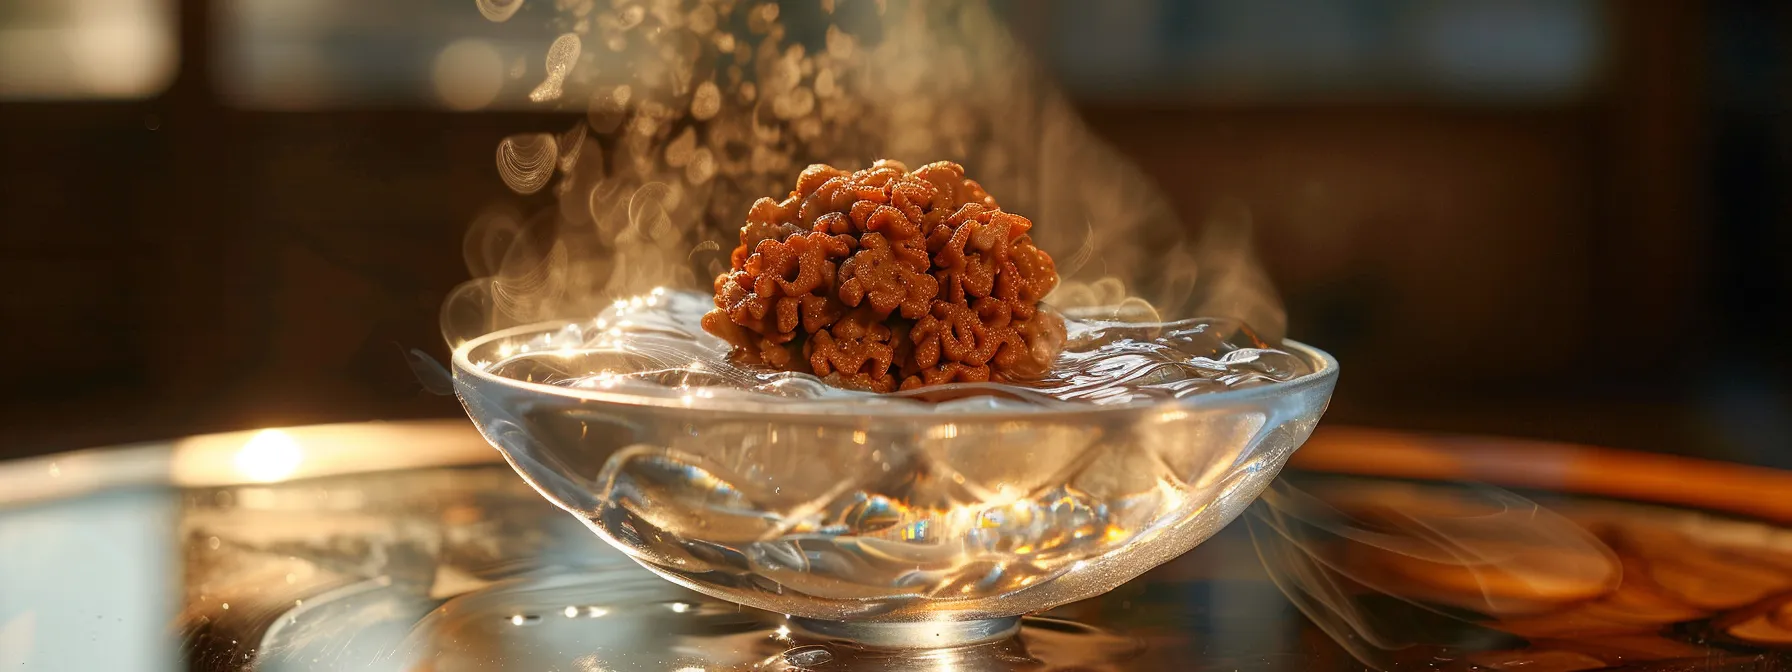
[(561, 56), (526, 161), (706, 101), (498, 10), (806, 656), (213, 543), (680, 151), (702, 166)]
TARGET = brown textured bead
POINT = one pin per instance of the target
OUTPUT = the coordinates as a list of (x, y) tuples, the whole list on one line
[(885, 278)]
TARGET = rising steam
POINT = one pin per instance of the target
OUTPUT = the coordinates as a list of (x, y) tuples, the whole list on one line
[(695, 108)]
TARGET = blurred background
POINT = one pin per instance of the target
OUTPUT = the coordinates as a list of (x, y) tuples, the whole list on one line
[(1564, 219)]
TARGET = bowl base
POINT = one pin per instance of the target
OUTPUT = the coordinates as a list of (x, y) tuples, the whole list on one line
[(918, 635)]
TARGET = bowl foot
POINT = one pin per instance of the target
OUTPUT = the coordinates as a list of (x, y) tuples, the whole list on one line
[(919, 635)]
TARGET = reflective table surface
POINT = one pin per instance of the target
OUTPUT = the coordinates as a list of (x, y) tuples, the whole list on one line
[(411, 546)]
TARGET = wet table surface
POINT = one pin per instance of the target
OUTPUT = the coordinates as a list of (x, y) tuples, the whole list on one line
[(410, 546)]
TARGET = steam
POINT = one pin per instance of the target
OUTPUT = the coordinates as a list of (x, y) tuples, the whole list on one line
[(695, 108), (1471, 556)]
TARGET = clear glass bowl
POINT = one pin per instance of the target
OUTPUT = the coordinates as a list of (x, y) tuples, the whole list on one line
[(848, 512)]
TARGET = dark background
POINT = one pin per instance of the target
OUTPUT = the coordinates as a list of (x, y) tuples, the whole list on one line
[(1570, 222)]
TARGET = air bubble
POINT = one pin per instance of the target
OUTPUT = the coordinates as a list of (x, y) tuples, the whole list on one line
[(561, 56), (526, 161), (797, 103), (630, 17), (761, 18), (808, 656), (807, 128), (608, 108), (706, 102), (468, 74), (498, 11), (840, 44), (702, 19), (785, 74)]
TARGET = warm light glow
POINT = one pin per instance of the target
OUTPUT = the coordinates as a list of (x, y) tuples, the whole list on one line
[(269, 455), (74, 49), (468, 74), (680, 607)]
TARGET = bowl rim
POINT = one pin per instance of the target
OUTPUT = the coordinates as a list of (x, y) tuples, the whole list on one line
[(1325, 372)]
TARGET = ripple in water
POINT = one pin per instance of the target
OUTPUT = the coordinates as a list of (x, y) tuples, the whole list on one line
[(561, 56), (526, 161), (654, 345)]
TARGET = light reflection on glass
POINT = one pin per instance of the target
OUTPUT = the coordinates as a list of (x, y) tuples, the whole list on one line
[(270, 455)]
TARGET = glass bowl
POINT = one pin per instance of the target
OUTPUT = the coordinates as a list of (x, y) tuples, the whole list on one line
[(900, 523)]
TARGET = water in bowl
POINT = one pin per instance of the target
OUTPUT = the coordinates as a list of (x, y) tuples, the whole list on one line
[(654, 345)]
